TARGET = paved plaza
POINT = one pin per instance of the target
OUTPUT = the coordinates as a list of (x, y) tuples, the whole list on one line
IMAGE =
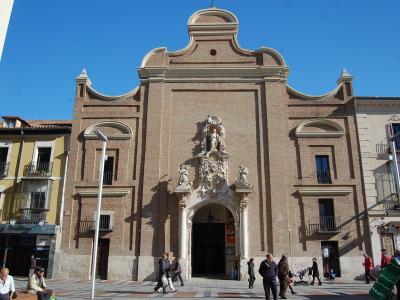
[(199, 288)]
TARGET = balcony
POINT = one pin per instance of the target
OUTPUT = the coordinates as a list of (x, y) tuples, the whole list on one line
[(324, 176), (90, 225), (32, 215), (42, 169), (4, 165), (324, 224), (107, 178)]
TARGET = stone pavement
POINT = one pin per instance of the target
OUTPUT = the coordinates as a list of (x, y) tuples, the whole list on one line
[(199, 288)]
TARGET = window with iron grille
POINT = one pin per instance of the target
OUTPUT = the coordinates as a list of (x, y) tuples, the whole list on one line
[(105, 222), (108, 170)]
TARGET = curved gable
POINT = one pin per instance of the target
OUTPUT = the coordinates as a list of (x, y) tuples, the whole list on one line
[(113, 130), (319, 128)]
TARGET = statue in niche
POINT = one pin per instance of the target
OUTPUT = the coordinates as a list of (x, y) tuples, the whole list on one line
[(183, 177), (213, 136), (214, 140), (243, 171)]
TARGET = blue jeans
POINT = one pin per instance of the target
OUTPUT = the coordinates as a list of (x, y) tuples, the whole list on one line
[(4, 297)]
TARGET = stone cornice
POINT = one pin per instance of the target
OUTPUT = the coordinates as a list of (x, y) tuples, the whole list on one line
[(325, 190), (107, 193), (264, 72)]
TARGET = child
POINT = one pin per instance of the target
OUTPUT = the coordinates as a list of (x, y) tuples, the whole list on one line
[(332, 275)]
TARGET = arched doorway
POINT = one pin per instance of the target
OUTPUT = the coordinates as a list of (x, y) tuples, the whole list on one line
[(213, 246)]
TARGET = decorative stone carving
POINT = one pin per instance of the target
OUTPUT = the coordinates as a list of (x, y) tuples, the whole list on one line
[(213, 136), (213, 175), (243, 171), (184, 177)]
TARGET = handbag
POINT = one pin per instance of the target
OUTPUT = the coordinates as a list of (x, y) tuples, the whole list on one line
[(164, 281), (14, 296)]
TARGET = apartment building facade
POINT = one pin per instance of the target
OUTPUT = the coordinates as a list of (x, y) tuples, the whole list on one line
[(33, 156)]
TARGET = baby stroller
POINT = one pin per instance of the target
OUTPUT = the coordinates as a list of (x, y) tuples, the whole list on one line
[(301, 275)]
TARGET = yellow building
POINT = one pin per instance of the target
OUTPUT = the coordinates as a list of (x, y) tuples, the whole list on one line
[(33, 156)]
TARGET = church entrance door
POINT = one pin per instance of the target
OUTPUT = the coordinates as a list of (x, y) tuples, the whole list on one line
[(213, 252), (208, 249)]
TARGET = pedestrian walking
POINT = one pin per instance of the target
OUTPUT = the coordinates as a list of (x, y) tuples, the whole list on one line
[(37, 285), (368, 268), (283, 276), (32, 266), (162, 281), (250, 272), (168, 274), (315, 271), (177, 268), (269, 270), (7, 287), (385, 258)]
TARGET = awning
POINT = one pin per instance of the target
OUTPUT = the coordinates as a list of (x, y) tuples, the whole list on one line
[(45, 229)]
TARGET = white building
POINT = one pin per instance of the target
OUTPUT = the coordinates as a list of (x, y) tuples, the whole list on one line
[(378, 120)]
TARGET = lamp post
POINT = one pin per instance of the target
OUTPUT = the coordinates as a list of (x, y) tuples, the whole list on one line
[(104, 140)]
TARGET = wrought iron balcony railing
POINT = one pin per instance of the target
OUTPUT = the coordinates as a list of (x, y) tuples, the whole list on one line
[(108, 178), (42, 169), (391, 203), (90, 225), (324, 224), (4, 165), (32, 215), (324, 176)]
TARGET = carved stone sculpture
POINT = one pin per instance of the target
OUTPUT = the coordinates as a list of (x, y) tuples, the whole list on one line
[(214, 140), (213, 136), (243, 171), (183, 177)]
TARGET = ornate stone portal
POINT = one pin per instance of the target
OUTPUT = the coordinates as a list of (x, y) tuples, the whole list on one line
[(212, 187)]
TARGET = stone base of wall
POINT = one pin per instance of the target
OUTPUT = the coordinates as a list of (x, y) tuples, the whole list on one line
[(78, 266), (146, 267)]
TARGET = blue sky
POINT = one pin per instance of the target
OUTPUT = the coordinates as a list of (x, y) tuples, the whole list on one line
[(49, 42)]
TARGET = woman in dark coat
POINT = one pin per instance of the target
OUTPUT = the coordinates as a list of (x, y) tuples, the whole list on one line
[(250, 271), (315, 271), (283, 273)]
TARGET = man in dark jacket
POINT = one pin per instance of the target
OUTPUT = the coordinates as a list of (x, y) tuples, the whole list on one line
[(269, 270), (283, 273), (163, 268), (250, 271)]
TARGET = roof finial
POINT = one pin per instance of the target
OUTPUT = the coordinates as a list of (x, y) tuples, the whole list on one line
[(84, 76), (345, 76), (212, 3)]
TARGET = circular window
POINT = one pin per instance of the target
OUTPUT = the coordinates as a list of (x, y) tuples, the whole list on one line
[(213, 52)]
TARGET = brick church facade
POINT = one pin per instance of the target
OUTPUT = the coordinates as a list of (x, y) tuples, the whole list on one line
[(214, 158)]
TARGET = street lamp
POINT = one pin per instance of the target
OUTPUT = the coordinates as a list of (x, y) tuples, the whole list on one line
[(104, 140)]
